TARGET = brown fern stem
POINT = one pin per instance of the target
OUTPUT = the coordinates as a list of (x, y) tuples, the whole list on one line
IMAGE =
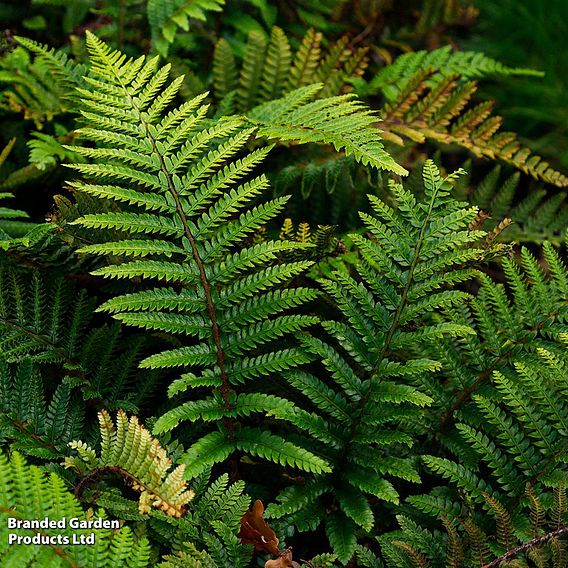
[(225, 388), (510, 554)]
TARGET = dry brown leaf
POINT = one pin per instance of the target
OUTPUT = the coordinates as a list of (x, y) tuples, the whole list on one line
[(255, 531)]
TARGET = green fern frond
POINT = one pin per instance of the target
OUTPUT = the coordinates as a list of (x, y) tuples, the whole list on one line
[(468, 545), (369, 378), (29, 495), (340, 121), (30, 328), (166, 16), (41, 88), (202, 178), (33, 425), (270, 69), (469, 64)]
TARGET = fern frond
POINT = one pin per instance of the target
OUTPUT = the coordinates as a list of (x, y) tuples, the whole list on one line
[(469, 64), (368, 385), (271, 70), (340, 121), (129, 450), (29, 495), (166, 16), (424, 109), (198, 180)]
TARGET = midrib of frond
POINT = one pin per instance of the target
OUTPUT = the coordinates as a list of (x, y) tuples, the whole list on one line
[(43, 340), (224, 389), (22, 427), (359, 410)]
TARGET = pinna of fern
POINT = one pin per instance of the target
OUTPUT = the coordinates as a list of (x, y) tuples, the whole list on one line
[(184, 227), (412, 257)]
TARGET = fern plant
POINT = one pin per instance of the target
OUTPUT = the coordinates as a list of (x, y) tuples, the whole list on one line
[(270, 69), (205, 283), (424, 108), (469, 543), (511, 320), (500, 417), (517, 431), (56, 368), (517, 440), (129, 450), (409, 261)]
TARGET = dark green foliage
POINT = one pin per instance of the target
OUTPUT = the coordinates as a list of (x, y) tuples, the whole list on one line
[(270, 70), (539, 216), (412, 257)]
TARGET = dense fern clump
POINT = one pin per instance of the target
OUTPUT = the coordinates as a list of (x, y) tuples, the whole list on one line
[(270, 70), (248, 317)]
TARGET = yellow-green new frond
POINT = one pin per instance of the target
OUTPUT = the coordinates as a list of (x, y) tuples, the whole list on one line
[(440, 110), (129, 450)]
